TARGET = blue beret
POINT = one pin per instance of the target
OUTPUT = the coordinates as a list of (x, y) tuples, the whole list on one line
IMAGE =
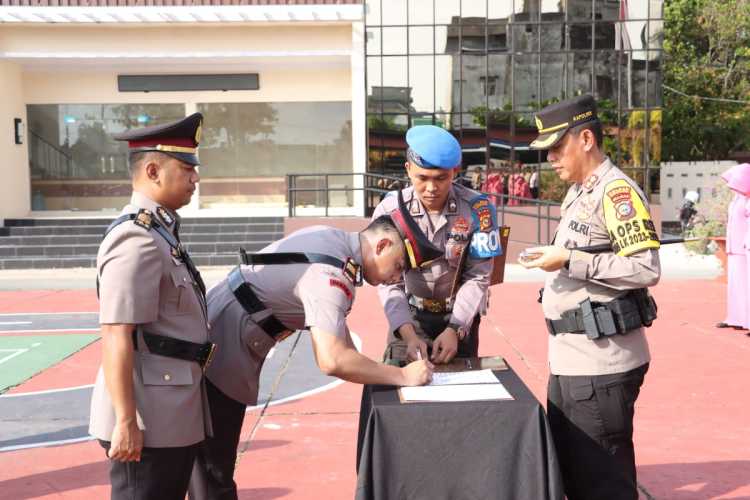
[(433, 146)]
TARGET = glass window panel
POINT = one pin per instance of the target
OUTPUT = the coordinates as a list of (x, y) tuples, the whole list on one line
[(421, 79), (553, 65), (394, 41), (374, 67), (525, 37), (394, 13), (71, 143), (579, 74), (372, 12), (442, 39), (553, 37), (499, 10), (446, 71), (553, 10), (654, 98), (655, 34), (526, 81), (633, 74), (498, 66), (395, 75), (449, 38), (243, 141), (474, 82), (526, 10), (497, 37), (608, 10), (473, 40), (656, 9), (579, 36), (605, 75), (580, 10), (421, 40), (473, 140), (604, 35), (446, 11), (373, 41), (473, 11), (421, 11), (445, 120)]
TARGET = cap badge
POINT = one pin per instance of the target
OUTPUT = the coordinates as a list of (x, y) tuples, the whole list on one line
[(539, 124), (198, 132)]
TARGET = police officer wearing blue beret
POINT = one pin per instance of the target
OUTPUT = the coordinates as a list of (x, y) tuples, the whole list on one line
[(435, 310)]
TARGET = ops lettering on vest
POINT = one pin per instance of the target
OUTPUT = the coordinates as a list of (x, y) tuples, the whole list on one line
[(485, 245)]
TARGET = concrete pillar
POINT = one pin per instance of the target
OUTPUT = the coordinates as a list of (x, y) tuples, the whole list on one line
[(15, 187)]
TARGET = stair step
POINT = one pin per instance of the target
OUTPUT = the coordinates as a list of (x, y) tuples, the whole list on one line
[(95, 239), (184, 229), (104, 221)]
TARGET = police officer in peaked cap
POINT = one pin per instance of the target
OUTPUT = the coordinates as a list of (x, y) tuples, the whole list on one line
[(595, 305), (147, 407), (435, 309)]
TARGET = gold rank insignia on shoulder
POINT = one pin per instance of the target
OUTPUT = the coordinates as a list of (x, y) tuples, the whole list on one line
[(589, 184), (353, 272), (144, 218), (165, 216)]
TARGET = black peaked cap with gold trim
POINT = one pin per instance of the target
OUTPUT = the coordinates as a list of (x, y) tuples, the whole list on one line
[(556, 119), (179, 139), (419, 250)]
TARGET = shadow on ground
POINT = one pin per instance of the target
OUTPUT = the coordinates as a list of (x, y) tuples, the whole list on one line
[(696, 481)]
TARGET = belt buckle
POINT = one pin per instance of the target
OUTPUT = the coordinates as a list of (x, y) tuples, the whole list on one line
[(433, 305), (209, 357)]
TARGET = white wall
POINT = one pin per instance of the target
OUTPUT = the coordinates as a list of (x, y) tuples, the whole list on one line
[(14, 167), (676, 178)]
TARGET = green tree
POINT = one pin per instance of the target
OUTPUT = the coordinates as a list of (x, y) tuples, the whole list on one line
[(706, 53)]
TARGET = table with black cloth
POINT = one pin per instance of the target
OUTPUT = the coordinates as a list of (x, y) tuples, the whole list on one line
[(458, 450)]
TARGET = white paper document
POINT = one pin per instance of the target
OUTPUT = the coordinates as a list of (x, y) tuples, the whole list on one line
[(448, 393), (465, 377)]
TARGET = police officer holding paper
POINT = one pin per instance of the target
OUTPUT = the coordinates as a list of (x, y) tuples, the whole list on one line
[(595, 305), (439, 304)]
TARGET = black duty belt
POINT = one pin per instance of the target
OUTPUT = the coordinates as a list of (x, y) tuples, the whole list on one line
[(595, 319), (177, 348), (252, 304)]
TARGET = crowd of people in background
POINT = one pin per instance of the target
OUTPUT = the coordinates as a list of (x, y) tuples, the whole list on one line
[(513, 182)]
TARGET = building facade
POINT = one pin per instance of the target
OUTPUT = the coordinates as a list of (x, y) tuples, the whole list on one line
[(323, 86), (481, 68), (280, 85)]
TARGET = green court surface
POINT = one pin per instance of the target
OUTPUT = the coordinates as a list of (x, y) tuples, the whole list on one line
[(23, 356)]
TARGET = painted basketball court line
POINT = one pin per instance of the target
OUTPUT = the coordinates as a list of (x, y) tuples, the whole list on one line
[(60, 416)]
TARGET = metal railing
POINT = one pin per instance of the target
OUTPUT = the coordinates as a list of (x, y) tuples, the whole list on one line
[(320, 185), (48, 160)]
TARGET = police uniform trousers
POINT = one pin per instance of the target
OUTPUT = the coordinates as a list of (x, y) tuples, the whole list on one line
[(161, 474), (213, 471), (591, 418), (429, 326)]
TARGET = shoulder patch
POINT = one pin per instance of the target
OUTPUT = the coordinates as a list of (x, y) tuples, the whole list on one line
[(144, 218), (628, 220), (485, 240), (341, 286)]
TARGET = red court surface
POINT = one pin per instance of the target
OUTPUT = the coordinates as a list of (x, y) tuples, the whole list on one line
[(691, 435)]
